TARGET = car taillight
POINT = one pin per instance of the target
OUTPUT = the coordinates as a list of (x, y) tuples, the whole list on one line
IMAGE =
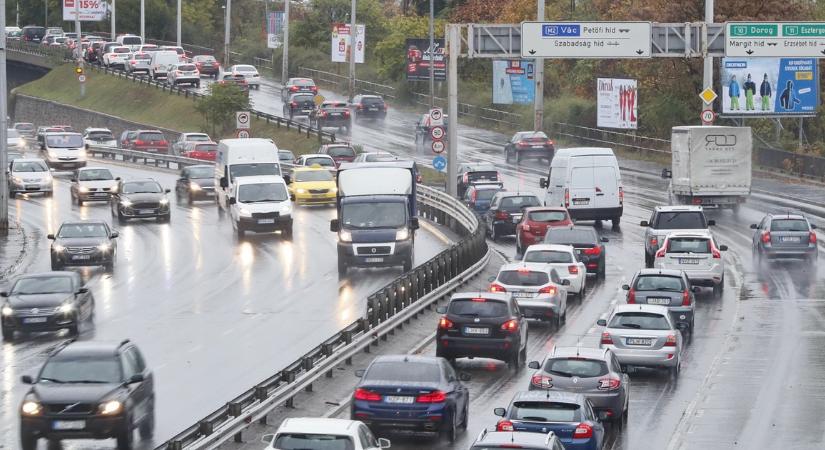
[(686, 297), (367, 395), (811, 237), (474, 196), (541, 381), (621, 195), (432, 397), (346, 113), (502, 215), (606, 339), (766, 237), (139, 142), (548, 290), (526, 226), (654, 241), (293, 88), (583, 431), (715, 252), (511, 326), (386, 107), (521, 144), (671, 341), (495, 287), (163, 143), (293, 104), (465, 179), (566, 198), (631, 296), (445, 323), (550, 142), (661, 252), (573, 269), (314, 89), (323, 114), (609, 384), (133, 62), (504, 425), (593, 251), (697, 201), (359, 107)]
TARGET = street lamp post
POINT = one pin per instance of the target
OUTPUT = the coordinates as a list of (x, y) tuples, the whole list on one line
[(285, 59), (226, 33), (112, 18), (432, 56), (179, 21), (4, 182), (352, 53), (143, 20)]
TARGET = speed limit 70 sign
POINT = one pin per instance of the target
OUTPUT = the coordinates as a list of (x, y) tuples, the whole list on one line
[(242, 120)]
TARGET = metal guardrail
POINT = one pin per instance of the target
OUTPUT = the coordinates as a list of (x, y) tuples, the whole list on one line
[(38, 49), (798, 164), (616, 139)]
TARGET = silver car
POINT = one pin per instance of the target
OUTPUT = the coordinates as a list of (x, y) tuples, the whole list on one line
[(538, 289), (643, 336), (28, 175), (91, 184), (696, 254), (665, 287), (669, 219), (785, 236), (596, 373), (138, 62), (185, 73)]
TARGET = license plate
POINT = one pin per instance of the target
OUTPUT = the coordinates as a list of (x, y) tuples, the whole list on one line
[(35, 320), (523, 294), (265, 221), (373, 108), (581, 201), (146, 211), (69, 424), (79, 257), (99, 194), (789, 239), (688, 261), (398, 399), (658, 301), (374, 260), (639, 341), (476, 330), (32, 187), (538, 146)]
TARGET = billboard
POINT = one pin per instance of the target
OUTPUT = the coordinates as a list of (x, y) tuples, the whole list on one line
[(341, 43), (769, 86), (617, 103), (418, 60), (274, 29), (90, 10), (514, 82)]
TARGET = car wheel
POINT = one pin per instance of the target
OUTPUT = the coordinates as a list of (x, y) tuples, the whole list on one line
[(124, 440), (452, 431), (74, 329), (519, 250), (240, 231), (602, 270), (79, 201), (648, 260), (465, 423), (8, 335), (506, 155), (674, 371), (120, 218), (493, 232), (28, 443), (287, 234), (56, 265), (583, 291), (616, 221), (342, 267), (147, 427), (518, 158), (515, 361), (109, 266), (408, 264)]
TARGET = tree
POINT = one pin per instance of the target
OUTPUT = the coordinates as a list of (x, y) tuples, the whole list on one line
[(219, 107)]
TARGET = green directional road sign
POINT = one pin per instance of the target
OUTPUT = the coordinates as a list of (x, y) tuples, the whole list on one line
[(775, 39)]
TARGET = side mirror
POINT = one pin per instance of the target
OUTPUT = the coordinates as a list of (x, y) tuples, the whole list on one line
[(464, 376), (755, 226), (136, 378), (644, 223), (499, 412), (623, 368), (711, 223), (232, 200), (441, 310), (565, 282), (360, 373), (723, 248), (533, 365), (167, 190), (813, 226), (267, 438), (4, 294), (26, 379), (42, 146), (117, 179), (73, 180), (601, 322), (384, 443), (50, 237), (604, 239), (626, 287), (114, 235), (83, 290), (695, 289), (491, 279), (224, 184), (543, 183), (287, 179), (414, 223), (334, 225), (667, 173)]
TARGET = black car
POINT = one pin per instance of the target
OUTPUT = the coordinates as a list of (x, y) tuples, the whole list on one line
[(84, 243), (49, 301), (294, 85), (369, 107), (34, 34), (330, 114), (299, 104), (138, 199), (89, 390), (207, 65), (589, 246), (196, 183), (413, 394), (485, 325), (529, 145), (505, 212), (480, 173)]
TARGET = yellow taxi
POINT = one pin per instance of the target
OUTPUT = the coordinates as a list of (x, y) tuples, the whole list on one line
[(312, 185)]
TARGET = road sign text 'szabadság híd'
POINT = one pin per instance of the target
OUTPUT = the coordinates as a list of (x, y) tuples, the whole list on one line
[(586, 40)]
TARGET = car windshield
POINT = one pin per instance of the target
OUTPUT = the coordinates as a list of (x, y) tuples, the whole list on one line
[(404, 372), (380, 157), (545, 412), (478, 307), (473, 177), (639, 320), (11, 133), (205, 59), (197, 138), (253, 170), (516, 203), (187, 67), (485, 194), (658, 283), (121, 50), (548, 216), (95, 175), (523, 278), (576, 367), (372, 101), (142, 56), (374, 215), (150, 136), (29, 166), (680, 220), (341, 151), (245, 69), (201, 172), (571, 237), (688, 245), (537, 135), (89, 369), (789, 225), (303, 83), (64, 141), (133, 40), (548, 256), (100, 136), (82, 230), (141, 187), (301, 441), (24, 126), (326, 162), (42, 285), (302, 98), (262, 192), (313, 175), (285, 156)]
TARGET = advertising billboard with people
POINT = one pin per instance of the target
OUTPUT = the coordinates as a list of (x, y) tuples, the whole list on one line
[(769, 86), (617, 103)]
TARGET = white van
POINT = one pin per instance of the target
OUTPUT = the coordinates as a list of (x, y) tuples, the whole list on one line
[(131, 41), (261, 204), (242, 158), (161, 60), (587, 182)]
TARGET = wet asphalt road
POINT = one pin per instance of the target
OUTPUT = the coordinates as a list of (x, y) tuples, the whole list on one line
[(213, 315)]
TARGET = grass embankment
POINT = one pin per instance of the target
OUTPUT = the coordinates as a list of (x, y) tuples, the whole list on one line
[(147, 105)]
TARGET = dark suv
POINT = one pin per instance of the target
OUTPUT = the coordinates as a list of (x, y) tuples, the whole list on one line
[(330, 114), (506, 209), (299, 104), (589, 246), (671, 219), (369, 107), (89, 390), (785, 236), (480, 173), (482, 324)]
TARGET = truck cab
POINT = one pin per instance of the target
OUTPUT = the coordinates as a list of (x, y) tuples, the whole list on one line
[(238, 158)]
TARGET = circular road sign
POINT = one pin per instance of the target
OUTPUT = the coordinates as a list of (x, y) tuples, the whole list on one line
[(438, 146), (439, 163), (437, 133), (81, 78), (707, 116), (243, 134), (435, 114)]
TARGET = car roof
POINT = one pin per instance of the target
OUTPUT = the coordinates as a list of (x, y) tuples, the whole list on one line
[(551, 247), (696, 234), (89, 348), (139, 180), (786, 216), (319, 425), (477, 167), (53, 273), (147, 130), (622, 308), (199, 166), (54, 133), (489, 186), (547, 208), (665, 272), (585, 151), (316, 155), (309, 169), (684, 208), (584, 352), (521, 265), (89, 130), (260, 179), (550, 396), (516, 194), (415, 359), (513, 438), (29, 160), (486, 295)]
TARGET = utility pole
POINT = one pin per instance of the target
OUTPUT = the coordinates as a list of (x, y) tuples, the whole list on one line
[(432, 55), (352, 52), (285, 59), (453, 51), (143, 20), (538, 101), (226, 34), (4, 160), (179, 15), (113, 20), (707, 77), (46, 21), (78, 47)]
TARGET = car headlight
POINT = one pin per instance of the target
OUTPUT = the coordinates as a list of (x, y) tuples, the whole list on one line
[(243, 212), (7, 311), (83, 189), (17, 180), (31, 408), (110, 408), (104, 247), (21, 142), (334, 190), (164, 201), (126, 202), (81, 154), (52, 155), (58, 248), (287, 209), (66, 308), (194, 186), (301, 191), (402, 234), (345, 236)]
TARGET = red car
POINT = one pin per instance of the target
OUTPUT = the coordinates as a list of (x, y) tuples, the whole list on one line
[(339, 152), (534, 224), (146, 141), (205, 151)]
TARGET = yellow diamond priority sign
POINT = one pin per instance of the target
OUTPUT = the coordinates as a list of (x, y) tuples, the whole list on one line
[(708, 96)]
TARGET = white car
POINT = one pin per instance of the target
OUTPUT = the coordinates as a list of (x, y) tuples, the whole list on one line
[(14, 141), (99, 136), (697, 254), (28, 175), (562, 258), (537, 288), (250, 74), (261, 204), (117, 56), (138, 62), (183, 73), (91, 184), (316, 432)]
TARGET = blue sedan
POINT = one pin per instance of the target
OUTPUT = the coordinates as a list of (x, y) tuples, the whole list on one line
[(570, 416), (478, 196), (411, 393)]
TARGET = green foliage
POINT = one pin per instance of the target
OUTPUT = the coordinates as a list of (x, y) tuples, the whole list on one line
[(218, 109), (316, 25), (390, 51)]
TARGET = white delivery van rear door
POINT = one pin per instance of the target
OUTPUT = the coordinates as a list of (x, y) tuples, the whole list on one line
[(605, 182), (581, 183)]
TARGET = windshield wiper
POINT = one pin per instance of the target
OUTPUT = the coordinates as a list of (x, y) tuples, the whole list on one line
[(265, 200), (89, 381), (51, 380)]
